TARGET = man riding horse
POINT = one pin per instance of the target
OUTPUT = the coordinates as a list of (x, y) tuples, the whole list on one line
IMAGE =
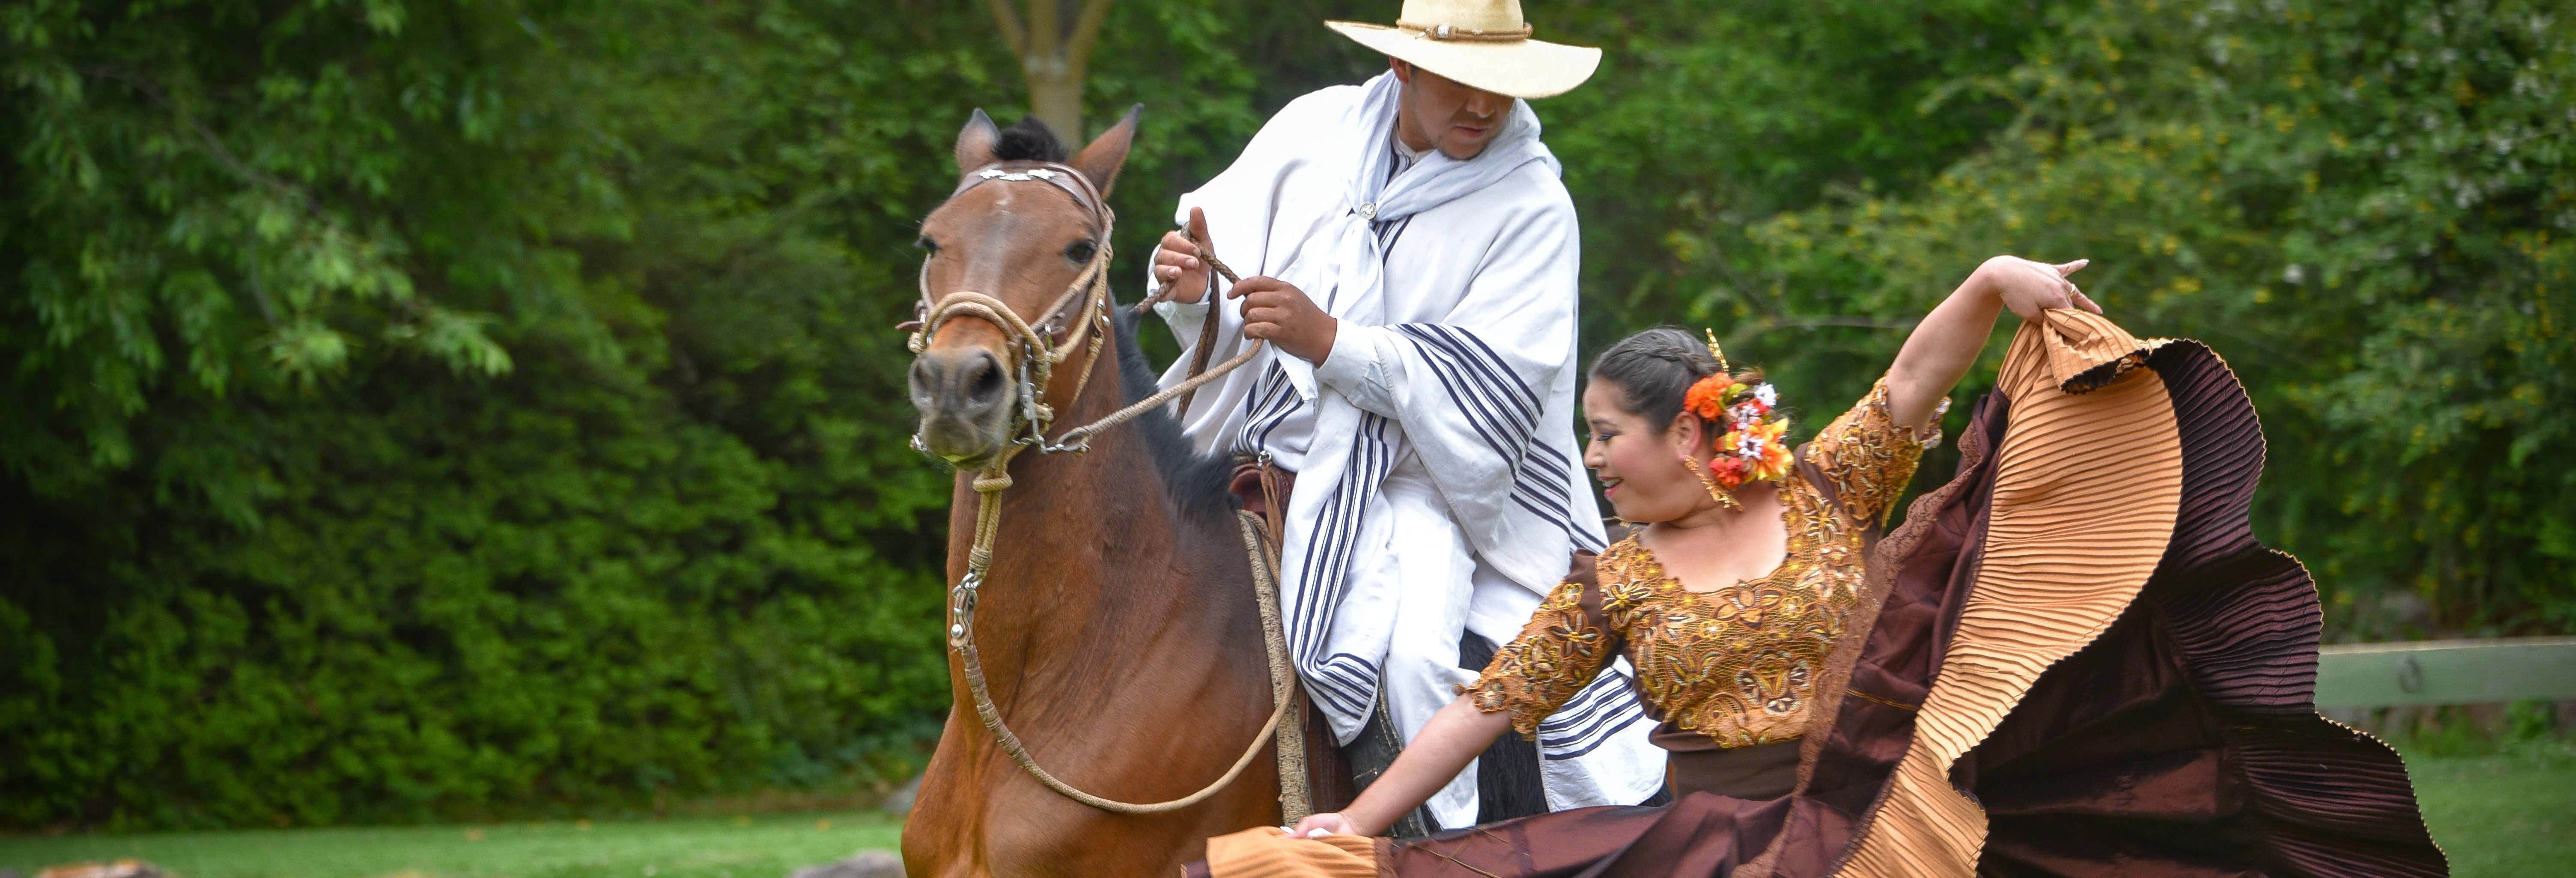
[(1411, 258)]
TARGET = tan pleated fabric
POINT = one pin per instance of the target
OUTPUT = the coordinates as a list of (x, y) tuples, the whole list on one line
[(1268, 853), (2072, 538)]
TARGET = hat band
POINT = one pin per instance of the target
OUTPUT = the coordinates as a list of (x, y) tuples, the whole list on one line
[(1447, 33)]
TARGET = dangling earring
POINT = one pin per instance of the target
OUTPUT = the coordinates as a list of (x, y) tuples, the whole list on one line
[(1724, 498)]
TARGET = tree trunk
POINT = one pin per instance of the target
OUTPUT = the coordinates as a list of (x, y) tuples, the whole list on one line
[(1055, 97), (1054, 51)]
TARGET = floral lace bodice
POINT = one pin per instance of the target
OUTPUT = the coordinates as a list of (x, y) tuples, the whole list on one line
[(1739, 663)]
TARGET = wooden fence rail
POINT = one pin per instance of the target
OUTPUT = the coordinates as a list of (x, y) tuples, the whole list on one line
[(2436, 672)]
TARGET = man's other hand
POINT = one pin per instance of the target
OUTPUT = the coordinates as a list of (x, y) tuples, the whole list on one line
[(1275, 310)]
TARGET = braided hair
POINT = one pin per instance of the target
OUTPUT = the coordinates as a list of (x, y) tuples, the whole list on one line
[(1655, 369)]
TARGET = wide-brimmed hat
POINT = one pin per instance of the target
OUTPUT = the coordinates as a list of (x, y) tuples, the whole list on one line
[(1482, 43)]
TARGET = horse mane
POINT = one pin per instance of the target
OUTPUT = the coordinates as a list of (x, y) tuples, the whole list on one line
[(1029, 141), (1195, 483)]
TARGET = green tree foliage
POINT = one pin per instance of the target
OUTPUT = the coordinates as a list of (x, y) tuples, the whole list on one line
[(454, 409), (1720, 115), (458, 409), (430, 407)]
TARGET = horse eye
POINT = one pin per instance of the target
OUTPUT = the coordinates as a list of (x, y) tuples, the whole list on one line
[(1081, 251), (927, 245)]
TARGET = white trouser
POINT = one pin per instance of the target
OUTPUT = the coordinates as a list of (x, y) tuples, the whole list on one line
[(1445, 592)]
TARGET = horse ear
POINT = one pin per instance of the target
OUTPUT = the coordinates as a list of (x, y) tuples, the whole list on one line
[(1101, 160), (975, 143)]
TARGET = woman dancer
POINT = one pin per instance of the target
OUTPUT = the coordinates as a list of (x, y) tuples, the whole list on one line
[(2073, 658)]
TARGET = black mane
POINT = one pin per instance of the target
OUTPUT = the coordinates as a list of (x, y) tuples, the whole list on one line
[(1029, 141), (1196, 483)]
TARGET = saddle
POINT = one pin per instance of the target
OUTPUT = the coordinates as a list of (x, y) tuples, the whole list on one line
[(1262, 490)]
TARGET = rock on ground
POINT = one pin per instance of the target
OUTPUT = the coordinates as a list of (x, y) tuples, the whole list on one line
[(125, 868), (899, 802)]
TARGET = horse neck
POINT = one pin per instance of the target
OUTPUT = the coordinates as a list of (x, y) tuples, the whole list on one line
[(1093, 565)]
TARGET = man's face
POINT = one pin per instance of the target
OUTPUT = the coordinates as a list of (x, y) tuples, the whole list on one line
[(1434, 111)]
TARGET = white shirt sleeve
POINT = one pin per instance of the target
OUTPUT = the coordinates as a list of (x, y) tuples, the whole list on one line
[(1187, 319), (1363, 368)]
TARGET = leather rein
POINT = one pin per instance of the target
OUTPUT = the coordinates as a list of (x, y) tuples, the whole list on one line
[(1030, 354)]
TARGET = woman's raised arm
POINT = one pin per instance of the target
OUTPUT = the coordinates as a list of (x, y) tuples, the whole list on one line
[(1946, 343)]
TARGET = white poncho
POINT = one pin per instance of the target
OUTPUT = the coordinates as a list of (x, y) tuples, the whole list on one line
[(1439, 488)]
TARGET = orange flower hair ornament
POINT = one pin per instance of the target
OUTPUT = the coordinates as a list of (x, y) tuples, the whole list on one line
[(1754, 447)]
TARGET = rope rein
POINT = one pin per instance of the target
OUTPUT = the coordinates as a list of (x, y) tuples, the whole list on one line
[(1030, 354), (1201, 374), (1282, 695)]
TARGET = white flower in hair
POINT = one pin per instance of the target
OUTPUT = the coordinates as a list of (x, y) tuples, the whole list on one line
[(1768, 396)]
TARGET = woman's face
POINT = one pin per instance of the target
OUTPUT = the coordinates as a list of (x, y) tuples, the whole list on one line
[(1640, 464)]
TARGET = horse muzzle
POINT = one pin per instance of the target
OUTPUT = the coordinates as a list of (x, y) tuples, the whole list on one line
[(964, 397)]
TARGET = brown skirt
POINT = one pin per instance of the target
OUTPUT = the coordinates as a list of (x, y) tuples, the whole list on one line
[(2075, 660)]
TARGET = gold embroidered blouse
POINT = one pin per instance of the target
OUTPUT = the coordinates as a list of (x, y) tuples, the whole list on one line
[(1736, 663)]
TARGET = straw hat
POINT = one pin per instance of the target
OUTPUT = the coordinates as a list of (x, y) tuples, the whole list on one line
[(1482, 43)]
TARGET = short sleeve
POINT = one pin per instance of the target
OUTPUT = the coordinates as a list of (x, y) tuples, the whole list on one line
[(1567, 642), (1867, 457)]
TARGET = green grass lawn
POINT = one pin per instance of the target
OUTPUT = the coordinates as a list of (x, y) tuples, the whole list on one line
[(753, 847), (2497, 816), (2501, 815)]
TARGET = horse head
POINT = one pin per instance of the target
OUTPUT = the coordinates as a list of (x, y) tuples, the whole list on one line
[(1014, 267)]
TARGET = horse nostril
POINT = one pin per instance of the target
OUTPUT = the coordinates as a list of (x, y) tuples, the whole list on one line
[(984, 379)]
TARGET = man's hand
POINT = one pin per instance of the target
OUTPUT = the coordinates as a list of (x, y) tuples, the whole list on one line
[(1274, 310), (1177, 265)]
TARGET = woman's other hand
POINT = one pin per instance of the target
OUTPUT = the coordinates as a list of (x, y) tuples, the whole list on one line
[(2028, 287), (1320, 825)]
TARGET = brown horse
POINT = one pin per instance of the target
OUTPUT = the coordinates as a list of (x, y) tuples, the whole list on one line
[(1117, 623)]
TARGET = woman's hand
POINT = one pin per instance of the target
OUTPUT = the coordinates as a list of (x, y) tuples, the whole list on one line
[(1948, 340), (2028, 287), (1320, 825)]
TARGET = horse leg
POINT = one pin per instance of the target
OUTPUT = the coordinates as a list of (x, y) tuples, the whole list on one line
[(939, 836)]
